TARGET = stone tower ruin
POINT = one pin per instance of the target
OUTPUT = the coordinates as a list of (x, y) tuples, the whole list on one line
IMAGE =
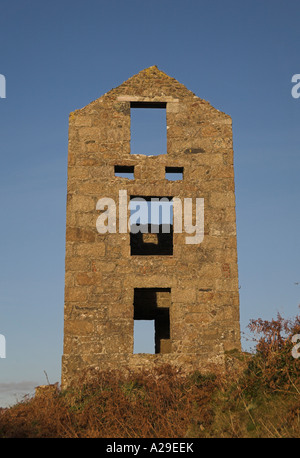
[(113, 279)]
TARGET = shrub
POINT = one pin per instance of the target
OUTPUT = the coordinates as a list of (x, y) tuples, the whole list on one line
[(273, 366), (158, 403), (257, 397)]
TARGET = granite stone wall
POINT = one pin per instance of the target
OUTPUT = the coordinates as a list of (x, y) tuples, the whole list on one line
[(192, 294)]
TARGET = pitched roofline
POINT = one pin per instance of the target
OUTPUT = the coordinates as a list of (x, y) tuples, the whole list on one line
[(152, 71)]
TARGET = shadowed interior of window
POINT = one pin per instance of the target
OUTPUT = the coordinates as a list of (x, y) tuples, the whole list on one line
[(151, 226), (153, 305)]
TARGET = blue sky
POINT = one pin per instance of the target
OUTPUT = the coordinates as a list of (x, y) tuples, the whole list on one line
[(59, 56)]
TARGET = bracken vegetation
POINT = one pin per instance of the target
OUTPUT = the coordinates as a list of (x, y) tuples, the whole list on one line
[(259, 396)]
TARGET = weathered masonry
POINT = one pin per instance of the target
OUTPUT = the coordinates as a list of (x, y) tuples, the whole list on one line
[(112, 280)]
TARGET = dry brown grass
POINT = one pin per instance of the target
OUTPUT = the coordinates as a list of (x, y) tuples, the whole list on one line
[(161, 403), (263, 400)]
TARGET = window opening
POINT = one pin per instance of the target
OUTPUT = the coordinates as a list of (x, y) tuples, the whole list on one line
[(124, 171), (148, 127), (152, 305), (151, 225), (174, 173)]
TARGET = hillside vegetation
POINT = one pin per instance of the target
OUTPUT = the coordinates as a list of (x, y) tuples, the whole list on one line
[(259, 396)]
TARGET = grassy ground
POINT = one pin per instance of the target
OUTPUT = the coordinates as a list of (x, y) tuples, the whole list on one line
[(260, 399)]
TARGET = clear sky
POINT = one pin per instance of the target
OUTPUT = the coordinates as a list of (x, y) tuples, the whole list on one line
[(57, 57)]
